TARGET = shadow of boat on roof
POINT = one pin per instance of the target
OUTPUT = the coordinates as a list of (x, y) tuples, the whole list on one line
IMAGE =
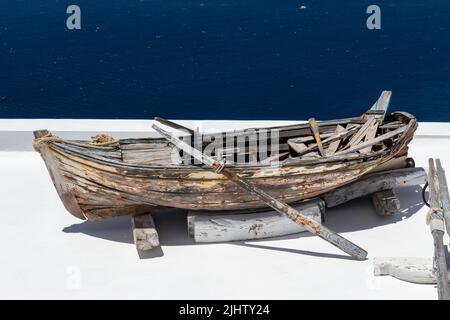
[(355, 215)]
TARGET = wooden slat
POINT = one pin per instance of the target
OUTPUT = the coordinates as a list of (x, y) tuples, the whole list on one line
[(371, 133), (298, 147), (315, 130), (334, 137), (376, 140), (359, 136), (310, 138), (149, 157), (276, 157), (335, 144), (302, 149), (392, 125), (145, 146)]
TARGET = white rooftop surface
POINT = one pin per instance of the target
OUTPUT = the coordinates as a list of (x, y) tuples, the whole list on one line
[(47, 253)]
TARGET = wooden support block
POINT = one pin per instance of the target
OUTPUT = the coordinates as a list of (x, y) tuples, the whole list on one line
[(375, 182), (385, 202), (144, 232), (240, 225)]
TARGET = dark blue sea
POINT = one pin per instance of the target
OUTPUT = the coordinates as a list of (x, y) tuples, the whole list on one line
[(217, 59)]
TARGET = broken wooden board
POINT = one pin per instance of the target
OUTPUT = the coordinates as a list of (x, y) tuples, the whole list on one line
[(383, 101), (375, 182), (373, 117), (298, 147), (239, 225), (385, 202), (332, 148), (144, 232), (359, 136), (371, 133), (415, 270), (339, 134), (381, 138)]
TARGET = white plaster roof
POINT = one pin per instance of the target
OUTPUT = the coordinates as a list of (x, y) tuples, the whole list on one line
[(47, 253)]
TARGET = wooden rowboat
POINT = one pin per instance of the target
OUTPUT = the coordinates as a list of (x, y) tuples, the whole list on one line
[(105, 178)]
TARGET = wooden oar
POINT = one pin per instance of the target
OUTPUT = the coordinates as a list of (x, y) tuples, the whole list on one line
[(309, 224), (316, 133), (174, 125), (436, 221), (443, 188)]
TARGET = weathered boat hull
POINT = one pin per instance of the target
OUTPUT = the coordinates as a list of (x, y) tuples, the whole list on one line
[(94, 186)]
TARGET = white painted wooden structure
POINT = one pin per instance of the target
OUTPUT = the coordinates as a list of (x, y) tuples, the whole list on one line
[(410, 269), (241, 225)]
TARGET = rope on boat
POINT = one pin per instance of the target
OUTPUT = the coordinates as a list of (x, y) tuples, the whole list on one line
[(100, 141), (437, 211)]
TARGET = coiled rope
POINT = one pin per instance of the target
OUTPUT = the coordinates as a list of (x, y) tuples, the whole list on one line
[(100, 141)]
